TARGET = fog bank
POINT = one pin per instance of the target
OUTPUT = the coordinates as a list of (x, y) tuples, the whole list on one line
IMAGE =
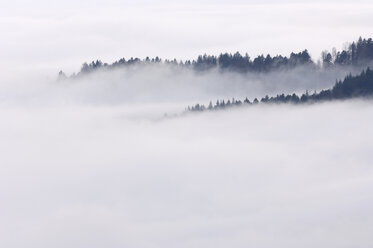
[(267, 176)]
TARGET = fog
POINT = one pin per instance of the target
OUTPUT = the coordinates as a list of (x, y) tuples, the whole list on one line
[(110, 159), (168, 83), (85, 165), (155, 84), (265, 176)]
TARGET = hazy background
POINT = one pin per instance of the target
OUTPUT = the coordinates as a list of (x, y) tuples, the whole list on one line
[(94, 162)]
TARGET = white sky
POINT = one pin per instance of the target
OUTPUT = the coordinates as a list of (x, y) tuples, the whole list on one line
[(46, 36)]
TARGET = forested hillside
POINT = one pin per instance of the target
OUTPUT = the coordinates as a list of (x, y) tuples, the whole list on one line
[(357, 53), (351, 87)]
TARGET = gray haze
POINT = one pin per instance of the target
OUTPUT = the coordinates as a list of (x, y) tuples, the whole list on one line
[(163, 83), (169, 83)]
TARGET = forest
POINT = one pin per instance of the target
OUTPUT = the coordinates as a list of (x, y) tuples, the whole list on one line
[(351, 87), (357, 53)]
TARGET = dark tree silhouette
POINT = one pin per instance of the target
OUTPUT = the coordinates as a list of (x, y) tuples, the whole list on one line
[(359, 53), (351, 87)]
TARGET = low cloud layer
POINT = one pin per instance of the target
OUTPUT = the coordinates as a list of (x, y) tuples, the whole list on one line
[(267, 176)]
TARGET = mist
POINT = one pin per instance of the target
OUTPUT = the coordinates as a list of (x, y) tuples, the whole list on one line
[(168, 86)]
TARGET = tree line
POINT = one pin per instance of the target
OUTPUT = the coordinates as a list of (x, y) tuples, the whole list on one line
[(356, 53), (351, 87)]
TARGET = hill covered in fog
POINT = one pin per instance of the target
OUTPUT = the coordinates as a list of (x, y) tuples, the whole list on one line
[(351, 87), (358, 53), (209, 77)]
